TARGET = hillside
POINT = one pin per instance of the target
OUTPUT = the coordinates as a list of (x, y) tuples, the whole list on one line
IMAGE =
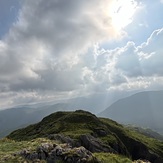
[(147, 132), (24, 115), (100, 136), (143, 109)]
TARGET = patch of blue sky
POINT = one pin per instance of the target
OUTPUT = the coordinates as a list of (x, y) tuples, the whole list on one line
[(148, 20), (9, 10), (145, 21)]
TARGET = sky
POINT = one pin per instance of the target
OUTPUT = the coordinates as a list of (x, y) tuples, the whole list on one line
[(52, 49)]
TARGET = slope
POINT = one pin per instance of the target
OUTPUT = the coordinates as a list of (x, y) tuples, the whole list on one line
[(95, 134), (143, 109)]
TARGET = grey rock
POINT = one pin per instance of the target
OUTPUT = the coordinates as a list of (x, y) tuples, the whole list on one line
[(53, 153), (94, 145), (62, 139), (101, 132)]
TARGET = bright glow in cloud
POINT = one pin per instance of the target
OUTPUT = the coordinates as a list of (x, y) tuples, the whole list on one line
[(122, 12)]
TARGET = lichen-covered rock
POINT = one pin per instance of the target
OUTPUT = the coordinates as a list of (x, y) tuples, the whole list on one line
[(53, 152)]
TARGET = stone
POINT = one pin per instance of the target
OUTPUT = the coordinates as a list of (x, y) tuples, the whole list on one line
[(62, 139), (94, 145), (53, 153)]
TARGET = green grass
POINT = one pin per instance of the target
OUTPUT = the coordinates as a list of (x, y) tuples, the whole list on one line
[(76, 123), (111, 158), (8, 149), (60, 122), (128, 136)]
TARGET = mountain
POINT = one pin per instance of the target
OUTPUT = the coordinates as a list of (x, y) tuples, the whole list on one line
[(147, 132), (14, 118), (143, 109), (101, 138), (21, 116)]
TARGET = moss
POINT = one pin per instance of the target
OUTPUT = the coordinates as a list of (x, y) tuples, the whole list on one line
[(111, 158), (76, 123), (60, 122), (129, 137)]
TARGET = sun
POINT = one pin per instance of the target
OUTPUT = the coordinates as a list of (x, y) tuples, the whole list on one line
[(122, 12)]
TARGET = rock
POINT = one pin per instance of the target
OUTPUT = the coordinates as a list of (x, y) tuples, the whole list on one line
[(139, 150), (25, 153), (34, 156), (62, 139), (53, 153), (94, 145), (100, 132)]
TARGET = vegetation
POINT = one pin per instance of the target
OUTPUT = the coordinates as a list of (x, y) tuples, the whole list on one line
[(69, 123), (127, 136), (9, 148), (126, 144), (112, 158), (146, 131)]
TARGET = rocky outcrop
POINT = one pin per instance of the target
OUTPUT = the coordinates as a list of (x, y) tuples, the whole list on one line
[(139, 150), (91, 143), (62, 139), (64, 153), (94, 144)]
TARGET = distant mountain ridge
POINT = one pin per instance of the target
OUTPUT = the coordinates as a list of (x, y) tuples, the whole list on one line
[(14, 118), (143, 109), (147, 132), (21, 116)]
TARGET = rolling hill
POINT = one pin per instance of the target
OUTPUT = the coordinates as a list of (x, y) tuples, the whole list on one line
[(143, 109), (21, 116), (104, 138)]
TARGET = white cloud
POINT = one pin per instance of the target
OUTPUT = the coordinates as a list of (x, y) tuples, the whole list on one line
[(43, 50), (140, 64), (130, 67), (50, 53)]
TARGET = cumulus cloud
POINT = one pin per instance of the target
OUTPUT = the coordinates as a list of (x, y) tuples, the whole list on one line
[(52, 51), (43, 49), (140, 64), (129, 67), (151, 54)]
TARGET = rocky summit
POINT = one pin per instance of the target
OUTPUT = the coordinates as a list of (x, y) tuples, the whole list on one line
[(77, 137)]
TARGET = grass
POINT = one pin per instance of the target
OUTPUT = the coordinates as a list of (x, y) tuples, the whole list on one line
[(60, 122), (111, 158), (8, 149), (76, 123), (127, 136)]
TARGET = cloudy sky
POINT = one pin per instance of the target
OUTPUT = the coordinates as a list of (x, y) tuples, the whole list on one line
[(57, 49)]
